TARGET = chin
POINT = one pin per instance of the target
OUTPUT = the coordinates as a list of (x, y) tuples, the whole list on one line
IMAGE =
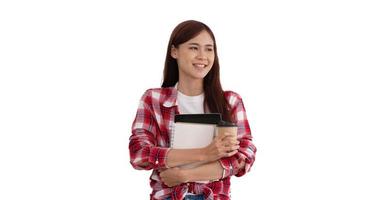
[(200, 76)]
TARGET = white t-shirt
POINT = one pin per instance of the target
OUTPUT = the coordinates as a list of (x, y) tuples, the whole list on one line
[(190, 104)]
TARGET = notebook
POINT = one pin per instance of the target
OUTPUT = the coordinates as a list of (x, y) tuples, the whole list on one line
[(194, 131)]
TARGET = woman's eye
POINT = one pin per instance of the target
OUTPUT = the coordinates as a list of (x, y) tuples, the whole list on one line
[(210, 49), (193, 48)]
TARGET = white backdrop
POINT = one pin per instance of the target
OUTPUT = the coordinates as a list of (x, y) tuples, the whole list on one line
[(313, 76)]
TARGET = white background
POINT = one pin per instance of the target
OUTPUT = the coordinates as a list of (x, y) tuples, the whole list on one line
[(313, 76)]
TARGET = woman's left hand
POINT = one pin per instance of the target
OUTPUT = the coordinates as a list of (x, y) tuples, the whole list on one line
[(173, 176)]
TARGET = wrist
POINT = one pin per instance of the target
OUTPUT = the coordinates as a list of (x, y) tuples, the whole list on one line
[(203, 155)]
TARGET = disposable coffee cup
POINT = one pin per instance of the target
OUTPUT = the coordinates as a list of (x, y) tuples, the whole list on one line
[(224, 126)]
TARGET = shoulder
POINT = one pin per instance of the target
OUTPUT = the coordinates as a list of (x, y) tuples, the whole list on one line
[(232, 97), (158, 94)]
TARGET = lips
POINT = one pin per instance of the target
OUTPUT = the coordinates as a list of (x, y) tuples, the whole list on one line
[(199, 65)]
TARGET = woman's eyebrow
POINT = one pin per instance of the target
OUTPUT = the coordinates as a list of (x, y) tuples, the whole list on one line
[(193, 43)]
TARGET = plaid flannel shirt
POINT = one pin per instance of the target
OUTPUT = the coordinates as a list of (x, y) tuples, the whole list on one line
[(149, 143)]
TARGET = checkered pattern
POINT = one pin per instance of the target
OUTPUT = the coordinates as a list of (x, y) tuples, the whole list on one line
[(149, 143)]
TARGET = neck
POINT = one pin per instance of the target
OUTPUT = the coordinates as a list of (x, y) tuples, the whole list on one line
[(190, 88)]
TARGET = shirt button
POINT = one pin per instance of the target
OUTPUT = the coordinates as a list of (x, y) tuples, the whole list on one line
[(156, 162)]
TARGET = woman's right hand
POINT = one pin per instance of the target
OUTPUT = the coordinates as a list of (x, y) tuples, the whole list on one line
[(223, 145)]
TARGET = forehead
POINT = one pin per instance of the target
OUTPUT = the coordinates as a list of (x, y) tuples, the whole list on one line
[(202, 38)]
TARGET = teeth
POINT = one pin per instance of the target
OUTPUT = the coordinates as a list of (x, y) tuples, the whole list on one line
[(199, 65)]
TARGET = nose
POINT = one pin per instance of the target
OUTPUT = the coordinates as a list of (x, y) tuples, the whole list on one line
[(201, 54)]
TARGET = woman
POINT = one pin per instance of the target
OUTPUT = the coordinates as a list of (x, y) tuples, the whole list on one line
[(191, 85)]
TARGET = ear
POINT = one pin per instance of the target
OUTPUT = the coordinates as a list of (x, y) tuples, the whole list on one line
[(174, 52)]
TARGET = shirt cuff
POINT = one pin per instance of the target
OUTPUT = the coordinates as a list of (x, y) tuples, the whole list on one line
[(227, 164), (223, 174), (231, 164), (158, 157)]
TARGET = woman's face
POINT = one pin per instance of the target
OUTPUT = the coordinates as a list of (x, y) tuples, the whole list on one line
[(195, 57)]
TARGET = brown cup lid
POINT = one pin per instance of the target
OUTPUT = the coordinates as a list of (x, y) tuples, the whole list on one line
[(226, 124)]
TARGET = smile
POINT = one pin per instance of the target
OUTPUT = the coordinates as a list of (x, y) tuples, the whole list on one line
[(200, 65)]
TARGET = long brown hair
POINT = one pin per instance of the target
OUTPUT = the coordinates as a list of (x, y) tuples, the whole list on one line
[(214, 95)]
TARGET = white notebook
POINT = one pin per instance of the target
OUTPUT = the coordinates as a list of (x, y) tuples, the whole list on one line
[(193, 131), (192, 135)]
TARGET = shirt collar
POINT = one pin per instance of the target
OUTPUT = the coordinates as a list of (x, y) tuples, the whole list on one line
[(171, 100)]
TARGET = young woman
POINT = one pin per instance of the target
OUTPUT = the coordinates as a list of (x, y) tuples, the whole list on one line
[(191, 85)]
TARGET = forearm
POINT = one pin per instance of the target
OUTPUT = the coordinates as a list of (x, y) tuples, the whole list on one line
[(206, 172), (241, 162), (178, 157)]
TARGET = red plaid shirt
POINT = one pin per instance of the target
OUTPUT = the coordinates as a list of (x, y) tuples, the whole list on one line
[(149, 143)]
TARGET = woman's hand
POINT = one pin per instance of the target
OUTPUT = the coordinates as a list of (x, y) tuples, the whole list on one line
[(173, 176), (223, 145)]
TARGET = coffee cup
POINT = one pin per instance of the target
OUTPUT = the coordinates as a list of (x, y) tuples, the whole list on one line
[(226, 127)]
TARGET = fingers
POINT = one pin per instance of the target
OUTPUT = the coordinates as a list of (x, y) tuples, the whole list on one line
[(222, 150), (231, 150), (223, 146), (231, 153), (227, 138), (227, 134), (229, 141), (168, 178), (241, 164)]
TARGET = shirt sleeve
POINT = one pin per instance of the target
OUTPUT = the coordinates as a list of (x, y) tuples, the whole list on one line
[(247, 149), (144, 154)]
